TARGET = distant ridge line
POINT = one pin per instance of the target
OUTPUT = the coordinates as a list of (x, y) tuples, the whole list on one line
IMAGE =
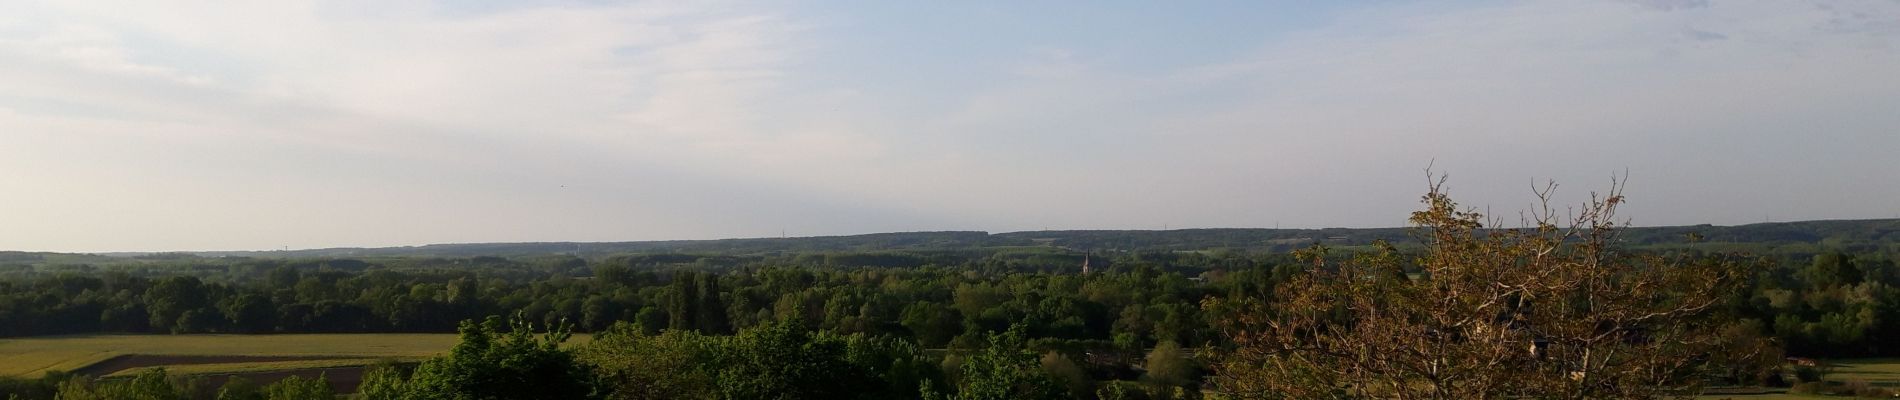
[(1853, 230)]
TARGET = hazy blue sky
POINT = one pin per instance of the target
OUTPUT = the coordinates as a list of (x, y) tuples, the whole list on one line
[(144, 125)]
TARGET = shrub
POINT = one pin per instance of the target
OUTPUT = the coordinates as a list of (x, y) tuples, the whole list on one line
[(299, 388), (1121, 390), (493, 362), (1806, 374)]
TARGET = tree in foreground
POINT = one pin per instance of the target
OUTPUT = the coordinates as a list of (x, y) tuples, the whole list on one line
[(298, 388), (156, 384), (1170, 374), (784, 361), (1006, 370), (1544, 311), (633, 365), (493, 363), (152, 384), (781, 360)]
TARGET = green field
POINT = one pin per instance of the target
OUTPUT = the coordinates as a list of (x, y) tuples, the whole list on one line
[(1880, 372), (1883, 372), (30, 357)]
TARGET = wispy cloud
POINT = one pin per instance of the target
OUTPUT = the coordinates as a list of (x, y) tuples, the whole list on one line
[(123, 125)]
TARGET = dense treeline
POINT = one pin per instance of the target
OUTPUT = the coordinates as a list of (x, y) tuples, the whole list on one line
[(1139, 301), (1802, 237), (157, 385), (1829, 304), (962, 324), (778, 360), (1836, 305)]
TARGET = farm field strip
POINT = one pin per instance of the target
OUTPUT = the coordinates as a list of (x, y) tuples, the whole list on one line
[(1884, 372), (36, 363), (1879, 372), (28, 357)]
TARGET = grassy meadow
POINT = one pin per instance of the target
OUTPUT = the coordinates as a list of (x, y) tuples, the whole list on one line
[(31, 357), (1883, 372), (1877, 372)]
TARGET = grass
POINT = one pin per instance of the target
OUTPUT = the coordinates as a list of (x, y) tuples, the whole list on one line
[(1883, 372), (1878, 372), (31, 357)]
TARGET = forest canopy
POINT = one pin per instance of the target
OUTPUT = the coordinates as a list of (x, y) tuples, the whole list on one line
[(1080, 314)]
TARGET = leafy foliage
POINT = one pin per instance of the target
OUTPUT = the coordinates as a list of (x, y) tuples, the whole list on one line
[(498, 364), (298, 388), (1003, 371), (782, 360)]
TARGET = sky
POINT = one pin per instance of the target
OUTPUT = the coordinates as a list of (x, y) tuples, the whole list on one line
[(200, 125)]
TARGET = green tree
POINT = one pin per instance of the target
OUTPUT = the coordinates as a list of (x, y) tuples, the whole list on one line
[(1006, 370), (896, 366), (299, 388), (682, 301), (1068, 374), (711, 310), (1831, 269), (172, 297), (1169, 371), (932, 324), (251, 313), (493, 363), (149, 385), (784, 361), (382, 382), (635, 365), (1120, 390), (239, 388), (649, 320)]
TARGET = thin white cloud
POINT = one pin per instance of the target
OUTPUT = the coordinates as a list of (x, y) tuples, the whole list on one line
[(319, 123)]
